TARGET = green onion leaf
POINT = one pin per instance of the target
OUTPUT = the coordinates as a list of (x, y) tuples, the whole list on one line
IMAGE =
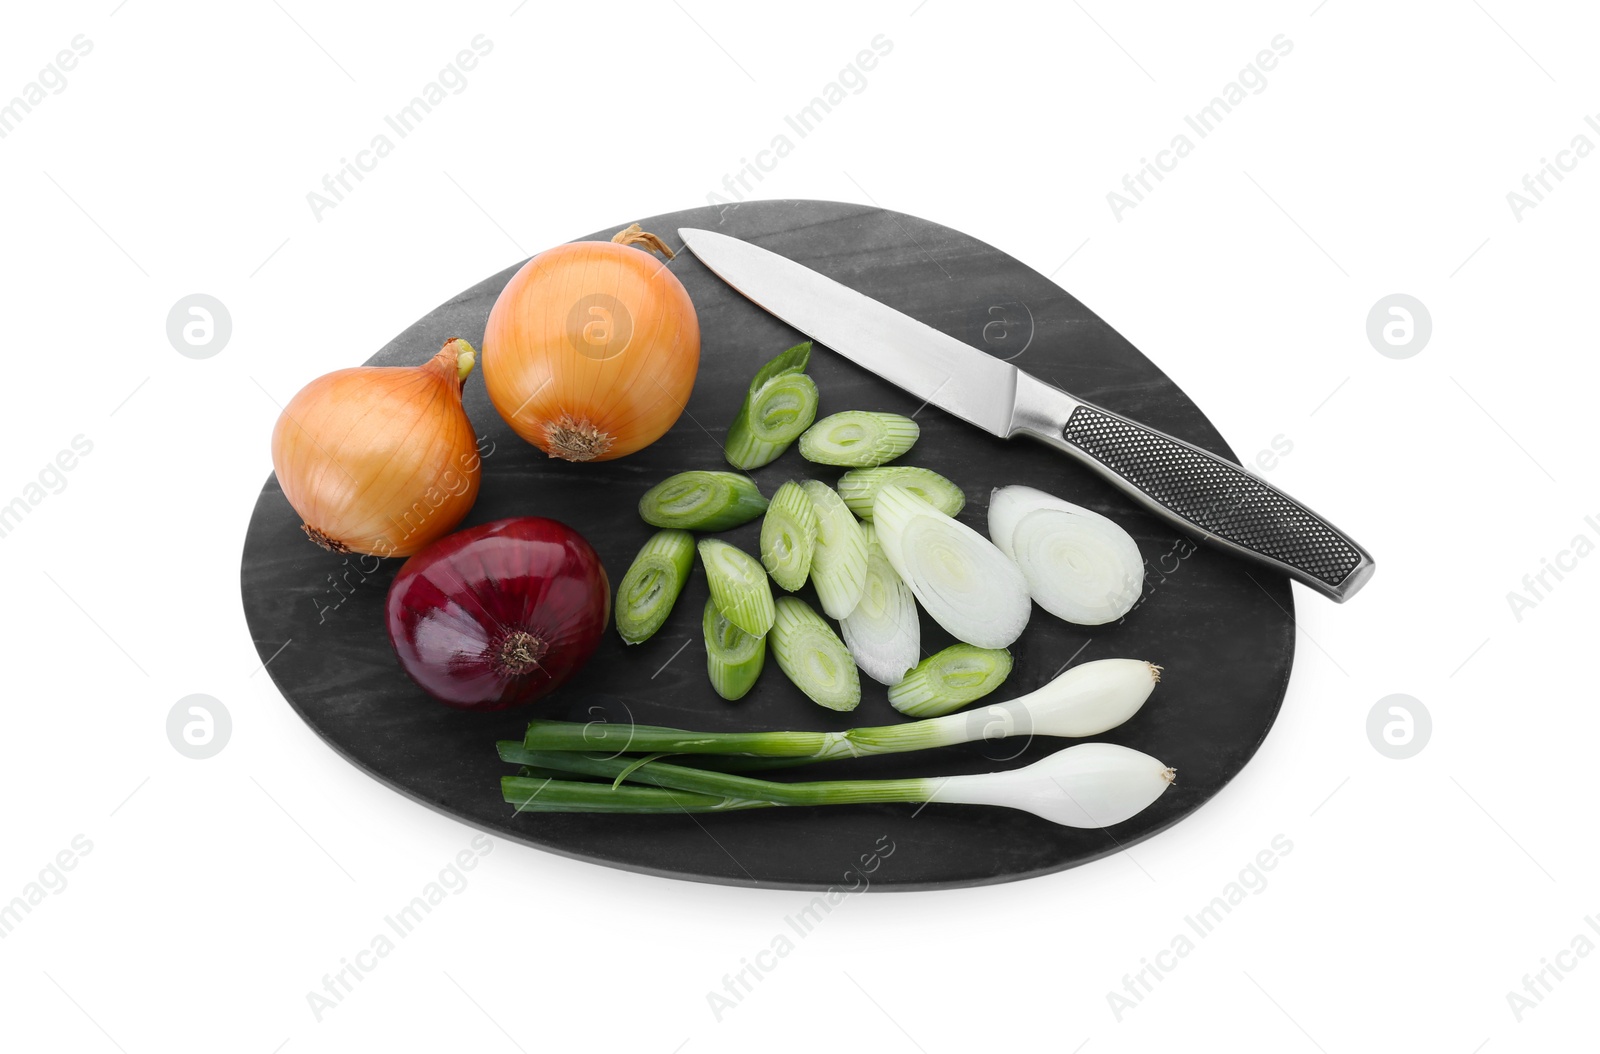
[(780, 404), (650, 588), (859, 487), (739, 586), (839, 564), (702, 501), (812, 656), (858, 439), (956, 676), (733, 657), (789, 536)]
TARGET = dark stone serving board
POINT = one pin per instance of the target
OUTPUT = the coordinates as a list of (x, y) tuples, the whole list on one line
[(1224, 636)]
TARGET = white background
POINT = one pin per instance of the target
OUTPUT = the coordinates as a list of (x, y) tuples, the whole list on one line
[(1377, 160)]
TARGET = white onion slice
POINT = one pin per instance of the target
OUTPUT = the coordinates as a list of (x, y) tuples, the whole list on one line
[(1079, 566), (883, 632), (966, 584)]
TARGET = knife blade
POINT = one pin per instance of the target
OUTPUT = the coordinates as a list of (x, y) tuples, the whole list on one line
[(1198, 491)]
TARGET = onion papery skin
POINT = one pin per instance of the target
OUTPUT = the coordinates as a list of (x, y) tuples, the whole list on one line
[(380, 460), (499, 614), (591, 350)]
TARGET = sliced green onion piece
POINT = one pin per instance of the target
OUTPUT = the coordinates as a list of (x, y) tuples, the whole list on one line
[(739, 586), (655, 578), (963, 581), (780, 404), (859, 487), (956, 676), (702, 501), (812, 656), (858, 439), (733, 657), (789, 536), (883, 632), (839, 564)]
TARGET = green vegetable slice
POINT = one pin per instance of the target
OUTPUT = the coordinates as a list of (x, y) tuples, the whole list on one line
[(733, 657), (702, 501), (949, 680), (739, 586), (858, 439), (789, 536), (839, 563), (860, 486), (651, 586), (780, 404), (811, 655)]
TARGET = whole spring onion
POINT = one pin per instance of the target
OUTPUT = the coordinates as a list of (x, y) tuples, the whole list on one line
[(780, 404), (1085, 700), (702, 501), (812, 656), (883, 633), (859, 487), (739, 586), (733, 657), (839, 563), (1089, 785), (380, 460), (652, 583), (967, 585), (858, 439), (949, 680), (1079, 566), (789, 536), (592, 348)]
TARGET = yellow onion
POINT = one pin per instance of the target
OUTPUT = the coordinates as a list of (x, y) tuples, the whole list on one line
[(380, 459), (592, 348)]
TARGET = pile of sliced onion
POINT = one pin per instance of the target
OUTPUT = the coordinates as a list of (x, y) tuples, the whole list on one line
[(1079, 566), (967, 585)]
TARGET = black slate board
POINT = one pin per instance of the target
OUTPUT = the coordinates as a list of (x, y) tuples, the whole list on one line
[(1225, 635)]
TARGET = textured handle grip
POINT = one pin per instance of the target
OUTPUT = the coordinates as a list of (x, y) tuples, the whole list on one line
[(1218, 498)]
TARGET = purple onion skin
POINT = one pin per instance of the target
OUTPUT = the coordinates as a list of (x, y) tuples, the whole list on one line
[(500, 614)]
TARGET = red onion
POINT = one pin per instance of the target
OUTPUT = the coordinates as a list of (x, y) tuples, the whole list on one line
[(500, 614)]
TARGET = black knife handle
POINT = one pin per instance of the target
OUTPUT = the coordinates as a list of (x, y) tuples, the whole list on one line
[(1218, 499)]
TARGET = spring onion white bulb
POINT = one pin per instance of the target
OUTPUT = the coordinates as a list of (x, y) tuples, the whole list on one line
[(1089, 785), (1086, 700), (1080, 566), (966, 584), (883, 632), (839, 562)]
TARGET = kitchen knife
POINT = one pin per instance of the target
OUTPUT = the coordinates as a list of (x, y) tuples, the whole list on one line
[(1198, 491)]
